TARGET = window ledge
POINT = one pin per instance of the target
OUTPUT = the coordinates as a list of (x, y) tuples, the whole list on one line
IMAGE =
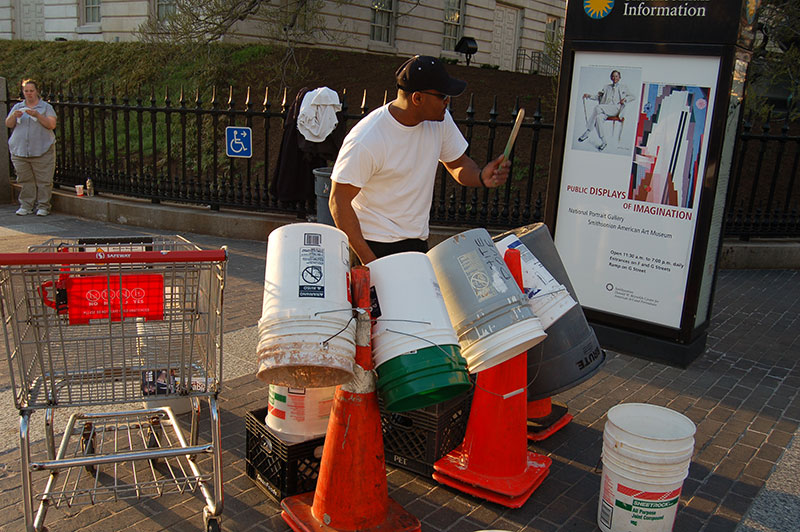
[(89, 28), (377, 46)]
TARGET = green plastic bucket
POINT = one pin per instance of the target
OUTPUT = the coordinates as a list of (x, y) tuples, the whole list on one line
[(423, 378)]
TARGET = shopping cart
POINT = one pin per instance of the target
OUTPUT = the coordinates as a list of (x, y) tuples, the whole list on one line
[(110, 321)]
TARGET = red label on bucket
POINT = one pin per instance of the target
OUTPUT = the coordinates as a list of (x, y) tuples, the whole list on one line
[(648, 495), (128, 296)]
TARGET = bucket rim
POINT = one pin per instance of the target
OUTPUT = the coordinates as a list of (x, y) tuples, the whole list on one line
[(623, 416)]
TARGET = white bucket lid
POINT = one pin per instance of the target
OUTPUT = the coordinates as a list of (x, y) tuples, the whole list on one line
[(648, 426)]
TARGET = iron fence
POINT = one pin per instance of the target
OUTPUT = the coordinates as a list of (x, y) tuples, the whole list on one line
[(764, 199), (165, 150), (162, 149)]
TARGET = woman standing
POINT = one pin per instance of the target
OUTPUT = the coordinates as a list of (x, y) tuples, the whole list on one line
[(33, 149)]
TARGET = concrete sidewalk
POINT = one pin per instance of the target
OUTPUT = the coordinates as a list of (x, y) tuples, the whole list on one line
[(742, 394)]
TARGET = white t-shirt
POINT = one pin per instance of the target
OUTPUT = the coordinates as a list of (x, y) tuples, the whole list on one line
[(395, 168)]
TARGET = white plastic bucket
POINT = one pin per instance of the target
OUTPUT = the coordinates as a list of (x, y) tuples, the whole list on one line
[(650, 427), (647, 450), (299, 414), (548, 298), (407, 307), (306, 335), (489, 312)]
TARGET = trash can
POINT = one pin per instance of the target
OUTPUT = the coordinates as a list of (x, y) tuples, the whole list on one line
[(322, 188)]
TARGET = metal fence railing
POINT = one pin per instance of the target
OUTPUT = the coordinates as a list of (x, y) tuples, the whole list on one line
[(165, 150), (162, 149), (764, 198)]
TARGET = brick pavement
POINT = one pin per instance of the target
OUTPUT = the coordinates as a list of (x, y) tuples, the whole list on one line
[(742, 394)]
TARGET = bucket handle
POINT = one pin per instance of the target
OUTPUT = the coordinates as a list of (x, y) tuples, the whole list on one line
[(355, 310), (514, 392), (449, 356), (446, 354)]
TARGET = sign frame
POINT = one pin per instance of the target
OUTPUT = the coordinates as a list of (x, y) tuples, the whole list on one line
[(627, 333)]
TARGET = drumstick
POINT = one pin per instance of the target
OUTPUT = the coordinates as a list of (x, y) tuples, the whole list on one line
[(514, 131)]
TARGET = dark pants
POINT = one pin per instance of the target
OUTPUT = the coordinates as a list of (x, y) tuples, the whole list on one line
[(381, 249)]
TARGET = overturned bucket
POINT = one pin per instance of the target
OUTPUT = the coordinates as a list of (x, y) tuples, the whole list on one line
[(299, 414), (306, 331), (571, 354), (489, 312), (414, 346), (647, 450)]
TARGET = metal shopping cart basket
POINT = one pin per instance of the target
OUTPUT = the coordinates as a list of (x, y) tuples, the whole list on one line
[(110, 321)]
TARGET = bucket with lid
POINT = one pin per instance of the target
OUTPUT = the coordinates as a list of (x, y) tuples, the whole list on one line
[(414, 346), (571, 354), (647, 450), (489, 312), (299, 414), (306, 334)]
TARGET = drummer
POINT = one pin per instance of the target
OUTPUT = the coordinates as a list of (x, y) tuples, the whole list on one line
[(384, 175)]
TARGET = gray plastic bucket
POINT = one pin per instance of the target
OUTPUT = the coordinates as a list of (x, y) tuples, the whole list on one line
[(322, 189), (489, 312), (571, 353)]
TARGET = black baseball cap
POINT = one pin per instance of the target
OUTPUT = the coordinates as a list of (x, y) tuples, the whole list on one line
[(423, 72)]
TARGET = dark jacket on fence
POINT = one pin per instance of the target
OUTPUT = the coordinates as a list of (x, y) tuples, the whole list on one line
[(294, 179)]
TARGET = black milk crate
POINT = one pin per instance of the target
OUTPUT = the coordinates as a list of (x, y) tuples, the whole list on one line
[(278, 467), (416, 439)]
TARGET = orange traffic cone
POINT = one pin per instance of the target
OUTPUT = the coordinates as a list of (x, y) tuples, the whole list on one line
[(351, 489), (493, 462), (545, 418)]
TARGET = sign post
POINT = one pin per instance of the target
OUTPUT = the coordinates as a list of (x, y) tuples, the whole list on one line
[(649, 103)]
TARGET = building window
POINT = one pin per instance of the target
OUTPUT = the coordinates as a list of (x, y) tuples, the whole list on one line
[(453, 23), (91, 11), (551, 28), (164, 8), (382, 20)]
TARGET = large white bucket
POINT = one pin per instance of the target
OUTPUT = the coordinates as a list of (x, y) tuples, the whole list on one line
[(489, 312), (306, 335), (299, 414), (548, 298), (647, 450), (407, 307)]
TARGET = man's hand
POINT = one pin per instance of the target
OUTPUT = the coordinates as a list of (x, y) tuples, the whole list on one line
[(495, 173)]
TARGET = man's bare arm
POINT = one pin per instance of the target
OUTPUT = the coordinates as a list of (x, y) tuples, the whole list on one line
[(341, 205)]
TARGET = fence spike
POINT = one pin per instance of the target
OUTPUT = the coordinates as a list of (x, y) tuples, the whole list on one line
[(197, 96), (247, 100), (283, 102), (230, 95), (385, 96), (213, 95), (471, 106), (266, 98), (515, 112), (180, 97), (364, 103)]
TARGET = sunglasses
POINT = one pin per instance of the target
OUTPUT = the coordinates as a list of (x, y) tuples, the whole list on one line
[(442, 97)]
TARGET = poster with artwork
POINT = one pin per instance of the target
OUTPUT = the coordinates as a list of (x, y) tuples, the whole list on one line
[(634, 161)]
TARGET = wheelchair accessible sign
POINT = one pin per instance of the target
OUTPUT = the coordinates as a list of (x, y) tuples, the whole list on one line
[(239, 142)]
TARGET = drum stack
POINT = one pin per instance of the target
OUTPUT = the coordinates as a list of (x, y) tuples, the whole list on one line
[(416, 333)]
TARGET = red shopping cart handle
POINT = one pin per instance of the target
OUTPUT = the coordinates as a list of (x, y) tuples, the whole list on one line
[(113, 257)]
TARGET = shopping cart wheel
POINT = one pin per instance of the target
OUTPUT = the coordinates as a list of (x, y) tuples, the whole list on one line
[(87, 445), (212, 522)]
